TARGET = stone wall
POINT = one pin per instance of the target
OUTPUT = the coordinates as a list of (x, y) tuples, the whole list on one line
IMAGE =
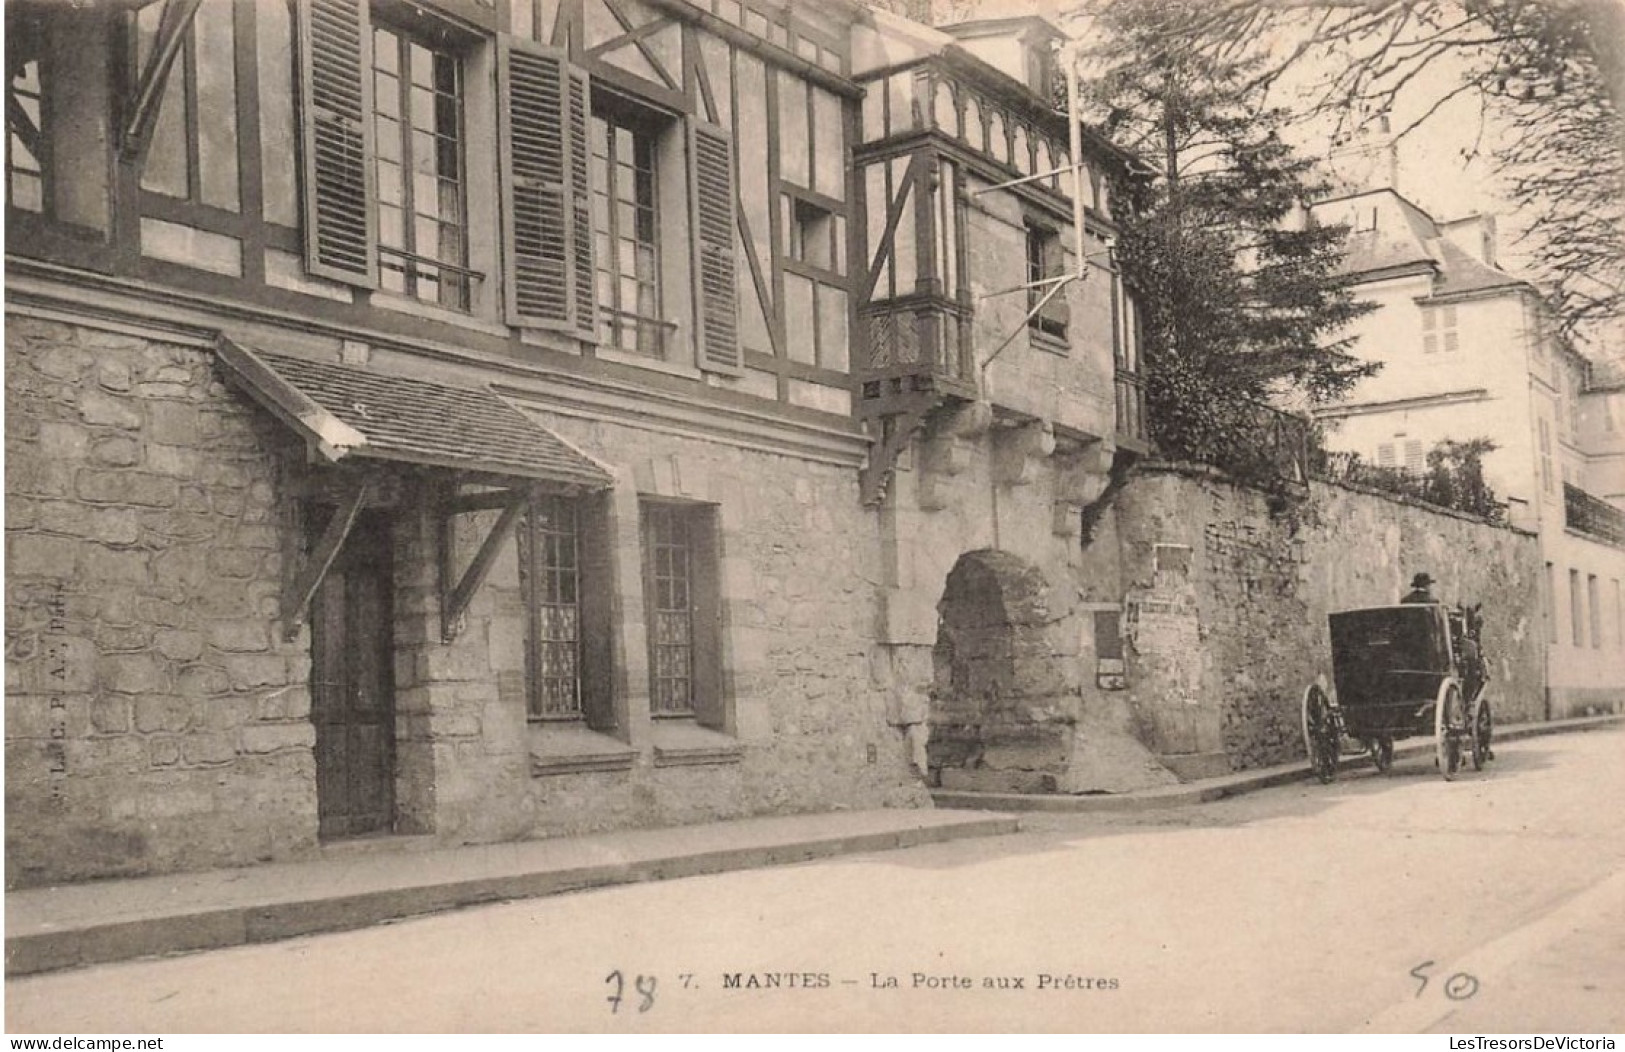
[(154, 717), (157, 720), (799, 560), (1225, 605), (803, 728)]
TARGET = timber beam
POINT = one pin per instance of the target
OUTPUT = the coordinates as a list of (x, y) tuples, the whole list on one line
[(455, 597), (897, 433), (302, 583), (173, 24)]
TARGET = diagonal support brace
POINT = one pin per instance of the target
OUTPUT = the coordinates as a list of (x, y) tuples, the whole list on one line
[(454, 599), (173, 25), (301, 588), (875, 476)]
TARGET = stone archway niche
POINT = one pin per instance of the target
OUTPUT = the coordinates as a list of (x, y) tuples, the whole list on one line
[(1009, 711), (1005, 694)]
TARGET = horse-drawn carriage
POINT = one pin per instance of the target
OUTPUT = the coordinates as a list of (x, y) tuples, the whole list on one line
[(1401, 672)]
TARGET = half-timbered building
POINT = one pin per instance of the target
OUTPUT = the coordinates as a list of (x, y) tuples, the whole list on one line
[(484, 419)]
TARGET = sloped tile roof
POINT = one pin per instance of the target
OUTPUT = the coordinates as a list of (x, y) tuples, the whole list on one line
[(1460, 272), (1369, 251), (1415, 240), (428, 422)]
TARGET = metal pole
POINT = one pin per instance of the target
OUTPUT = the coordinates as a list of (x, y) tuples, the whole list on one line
[(1037, 309), (1075, 136)]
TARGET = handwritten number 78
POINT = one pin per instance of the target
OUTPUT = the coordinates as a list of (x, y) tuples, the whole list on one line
[(644, 985)]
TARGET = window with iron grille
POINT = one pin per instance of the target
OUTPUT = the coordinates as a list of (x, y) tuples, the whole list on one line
[(422, 214), (626, 250), (550, 569), (668, 540)]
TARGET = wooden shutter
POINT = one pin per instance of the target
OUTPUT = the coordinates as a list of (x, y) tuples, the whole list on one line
[(711, 182), (579, 111), (335, 105), (546, 217)]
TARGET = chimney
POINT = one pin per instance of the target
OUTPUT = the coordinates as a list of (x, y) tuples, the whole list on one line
[(1022, 47), (1367, 159), (1474, 235)]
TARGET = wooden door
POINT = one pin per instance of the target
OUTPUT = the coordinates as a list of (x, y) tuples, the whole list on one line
[(352, 689)]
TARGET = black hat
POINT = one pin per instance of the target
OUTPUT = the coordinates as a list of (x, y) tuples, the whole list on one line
[(1422, 580)]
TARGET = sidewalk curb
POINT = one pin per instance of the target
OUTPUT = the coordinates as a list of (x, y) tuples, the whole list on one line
[(1208, 790), (238, 925)]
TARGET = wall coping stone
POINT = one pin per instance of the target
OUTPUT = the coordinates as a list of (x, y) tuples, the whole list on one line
[(1196, 469)]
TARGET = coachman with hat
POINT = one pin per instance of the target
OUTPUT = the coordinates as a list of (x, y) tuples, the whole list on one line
[(1421, 590)]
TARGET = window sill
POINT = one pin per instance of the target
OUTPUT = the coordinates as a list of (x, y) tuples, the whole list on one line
[(643, 361), (573, 748), (1048, 341), (684, 743), (401, 304)]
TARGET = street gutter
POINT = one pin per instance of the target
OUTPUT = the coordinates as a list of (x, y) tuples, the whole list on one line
[(1206, 790)]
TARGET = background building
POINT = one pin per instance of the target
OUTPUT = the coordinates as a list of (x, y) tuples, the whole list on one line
[(1468, 351)]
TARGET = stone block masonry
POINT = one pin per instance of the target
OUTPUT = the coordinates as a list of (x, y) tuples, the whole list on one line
[(1226, 601), (802, 728), (159, 721), (155, 720)]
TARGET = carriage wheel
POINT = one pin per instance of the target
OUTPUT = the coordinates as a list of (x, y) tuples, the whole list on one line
[(1449, 727), (1483, 727), (1382, 754), (1320, 733)]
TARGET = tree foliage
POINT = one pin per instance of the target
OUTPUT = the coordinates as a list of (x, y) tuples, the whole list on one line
[(1454, 477), (1551, 74), (1240, 305)]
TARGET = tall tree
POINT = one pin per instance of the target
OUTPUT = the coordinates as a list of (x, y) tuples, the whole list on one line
[(1550, 72), (1241, 305)]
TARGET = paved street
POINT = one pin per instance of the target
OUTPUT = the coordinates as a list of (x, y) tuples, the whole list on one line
[(1493, 903)]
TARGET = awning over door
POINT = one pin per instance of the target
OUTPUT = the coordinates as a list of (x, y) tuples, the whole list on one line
[(347, 411)]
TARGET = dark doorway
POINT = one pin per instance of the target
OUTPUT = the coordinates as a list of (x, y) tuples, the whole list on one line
[(352, 695)]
